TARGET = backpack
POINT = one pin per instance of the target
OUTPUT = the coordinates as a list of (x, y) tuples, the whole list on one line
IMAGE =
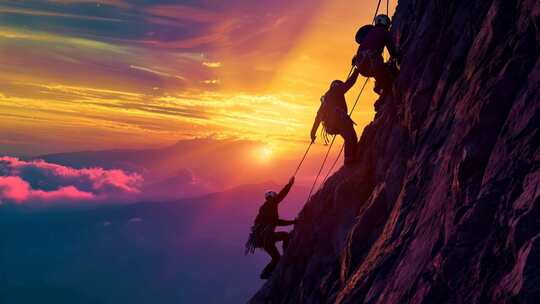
[(362, 33), (330, 116)]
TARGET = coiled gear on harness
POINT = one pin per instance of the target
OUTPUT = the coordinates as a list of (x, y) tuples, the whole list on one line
[(260, 236), (332, 117)]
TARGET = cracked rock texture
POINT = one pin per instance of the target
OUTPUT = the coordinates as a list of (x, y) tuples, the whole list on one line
[(444, 205)]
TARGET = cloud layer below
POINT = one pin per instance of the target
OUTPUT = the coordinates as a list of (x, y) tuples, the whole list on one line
[(38, 181)]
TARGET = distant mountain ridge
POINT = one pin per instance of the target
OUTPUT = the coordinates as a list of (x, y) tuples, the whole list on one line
[(187, 169)]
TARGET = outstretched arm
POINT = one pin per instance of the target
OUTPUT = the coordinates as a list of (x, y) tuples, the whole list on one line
[(350, 81), (281, 222), (283, 193)]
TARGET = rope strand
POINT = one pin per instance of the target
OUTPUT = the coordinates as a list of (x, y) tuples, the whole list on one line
[(320, 170), (303, 158), (376, 10)]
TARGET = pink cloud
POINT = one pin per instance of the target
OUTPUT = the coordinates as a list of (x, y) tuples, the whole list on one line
[(40, 181), (15, 189)]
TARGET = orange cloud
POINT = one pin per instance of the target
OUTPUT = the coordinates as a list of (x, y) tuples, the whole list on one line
[(212, 64)]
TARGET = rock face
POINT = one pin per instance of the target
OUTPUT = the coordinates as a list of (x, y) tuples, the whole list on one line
[(444, 205)]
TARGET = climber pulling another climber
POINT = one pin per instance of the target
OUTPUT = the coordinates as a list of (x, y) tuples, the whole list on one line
[(372, 40), (334, 116), (263, 233)]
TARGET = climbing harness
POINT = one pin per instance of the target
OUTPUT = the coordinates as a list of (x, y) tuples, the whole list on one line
[(260, 237)]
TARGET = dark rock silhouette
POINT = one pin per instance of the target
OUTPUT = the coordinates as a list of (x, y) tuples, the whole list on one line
[(443, 206)]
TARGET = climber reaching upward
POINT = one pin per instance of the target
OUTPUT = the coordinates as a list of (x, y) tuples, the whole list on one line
[(263, 233), (369, 59), (334, 116)]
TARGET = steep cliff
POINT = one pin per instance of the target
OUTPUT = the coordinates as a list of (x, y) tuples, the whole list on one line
[(444, 204)]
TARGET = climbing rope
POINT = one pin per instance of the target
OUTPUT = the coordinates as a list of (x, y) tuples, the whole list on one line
[(321, 168), (377, 11), (303, 158), (350, 72)]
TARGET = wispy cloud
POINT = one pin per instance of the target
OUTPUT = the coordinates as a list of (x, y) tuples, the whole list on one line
[(32, 12), (156, 72), (116, 3), (44, 37), (129, 116), (183, 12), (211, 81)]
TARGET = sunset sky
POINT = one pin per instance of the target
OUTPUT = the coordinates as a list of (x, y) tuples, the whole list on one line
[(213, 100), (79, 75)]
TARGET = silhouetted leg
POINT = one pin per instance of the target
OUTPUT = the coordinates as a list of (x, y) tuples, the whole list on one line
[(351, 142), (274, 254), (384, 77), (282, 236)]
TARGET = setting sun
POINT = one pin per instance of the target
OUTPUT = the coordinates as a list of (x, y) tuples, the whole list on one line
[(265, 153)]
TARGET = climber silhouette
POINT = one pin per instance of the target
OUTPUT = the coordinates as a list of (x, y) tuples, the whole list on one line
[(263, 233), (369, 59), (333, 115)]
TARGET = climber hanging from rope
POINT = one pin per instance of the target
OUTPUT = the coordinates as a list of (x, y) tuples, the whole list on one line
[(263, 233), (372, 40), (333, 114)]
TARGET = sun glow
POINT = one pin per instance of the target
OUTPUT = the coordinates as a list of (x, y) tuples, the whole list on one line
[(264, 154)]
